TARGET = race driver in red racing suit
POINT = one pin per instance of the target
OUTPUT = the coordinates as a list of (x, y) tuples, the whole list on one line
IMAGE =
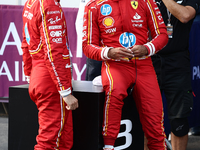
[(47, 62), (116, 32)]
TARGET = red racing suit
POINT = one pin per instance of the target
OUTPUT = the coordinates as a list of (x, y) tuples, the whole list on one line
[(47, 62), (125, 23)]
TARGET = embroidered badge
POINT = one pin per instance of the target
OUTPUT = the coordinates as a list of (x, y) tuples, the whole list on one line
[(127, 39), (134, 4), (108, 22), (106, 9)]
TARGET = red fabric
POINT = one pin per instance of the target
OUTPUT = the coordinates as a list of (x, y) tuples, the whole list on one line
[(105, 22), (56, 129), (46, 35), (44, 44), (146, 94), (97, 35)]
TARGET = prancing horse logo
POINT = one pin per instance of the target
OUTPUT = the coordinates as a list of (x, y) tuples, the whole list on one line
[(134, 4)]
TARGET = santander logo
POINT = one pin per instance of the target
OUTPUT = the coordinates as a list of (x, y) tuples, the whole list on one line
[(136, 16)]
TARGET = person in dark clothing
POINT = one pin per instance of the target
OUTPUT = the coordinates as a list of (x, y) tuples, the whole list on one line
[(172, 65)]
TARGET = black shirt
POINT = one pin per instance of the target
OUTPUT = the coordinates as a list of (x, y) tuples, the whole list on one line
[(180, 40)]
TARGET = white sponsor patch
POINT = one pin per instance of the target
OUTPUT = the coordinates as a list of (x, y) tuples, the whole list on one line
[(53, 12), (28, 15), (111, 30), (56, 33), (55, 27), (57, 40), (137, 25), (54, 21), (136, 16)]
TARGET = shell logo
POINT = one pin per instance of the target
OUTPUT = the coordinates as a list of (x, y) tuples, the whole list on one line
[(108, 22)]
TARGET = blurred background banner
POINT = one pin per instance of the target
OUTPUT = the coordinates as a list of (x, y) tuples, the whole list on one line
[(11, 64), (194, 47)]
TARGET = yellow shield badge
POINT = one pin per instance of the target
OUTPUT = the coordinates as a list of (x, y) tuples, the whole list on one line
[(134, 4)]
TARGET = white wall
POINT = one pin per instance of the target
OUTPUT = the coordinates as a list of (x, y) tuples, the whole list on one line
[(70, 3), (8, 2), (64, 3)]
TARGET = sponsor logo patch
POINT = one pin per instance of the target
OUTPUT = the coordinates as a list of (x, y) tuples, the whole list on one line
[(136, 16), (55, 27), (53, 12), (106, 9), (112, 30), (54, 21), (28, 15), (137, 25), (127, 39), (57, 40), (134, 4), (108, 22), (137, 21), (56, 33)]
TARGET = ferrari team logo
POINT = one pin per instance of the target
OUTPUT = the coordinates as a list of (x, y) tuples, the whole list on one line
[(134, 4)]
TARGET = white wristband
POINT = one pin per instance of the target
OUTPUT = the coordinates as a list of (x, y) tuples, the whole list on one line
[(65, 93), (105, 52)]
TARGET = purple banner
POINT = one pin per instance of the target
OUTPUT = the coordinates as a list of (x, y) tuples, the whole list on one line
[(11, 64)]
